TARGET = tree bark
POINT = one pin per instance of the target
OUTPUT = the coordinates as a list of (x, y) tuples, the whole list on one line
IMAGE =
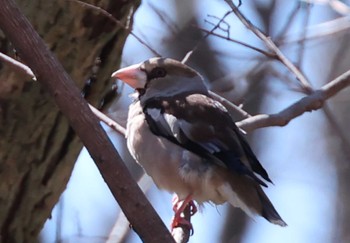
[(38, 148)]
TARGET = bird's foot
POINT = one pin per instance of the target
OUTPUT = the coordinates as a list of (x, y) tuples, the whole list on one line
[(179, 206), (179, 218)]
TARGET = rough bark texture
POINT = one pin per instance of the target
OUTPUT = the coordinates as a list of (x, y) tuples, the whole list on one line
[(37, 147)]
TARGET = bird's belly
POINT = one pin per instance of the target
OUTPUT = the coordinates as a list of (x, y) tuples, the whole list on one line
[(171, 167)]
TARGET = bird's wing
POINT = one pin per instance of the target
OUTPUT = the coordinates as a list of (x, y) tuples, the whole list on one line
[(204, 127)]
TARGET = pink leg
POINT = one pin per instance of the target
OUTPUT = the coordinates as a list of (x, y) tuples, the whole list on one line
[(179, 207)]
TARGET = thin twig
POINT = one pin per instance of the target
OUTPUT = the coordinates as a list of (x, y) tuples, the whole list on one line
[(119, 23), (108, 121), (189, 54), (18, 66), (305, 84), (268, 54)]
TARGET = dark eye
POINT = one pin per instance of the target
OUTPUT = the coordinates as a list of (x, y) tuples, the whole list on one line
[(157, 73)]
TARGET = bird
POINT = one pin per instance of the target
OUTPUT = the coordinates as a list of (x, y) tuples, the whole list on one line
[(188, 143)]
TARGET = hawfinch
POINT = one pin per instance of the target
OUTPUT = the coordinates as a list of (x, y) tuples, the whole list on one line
[(188, 143)]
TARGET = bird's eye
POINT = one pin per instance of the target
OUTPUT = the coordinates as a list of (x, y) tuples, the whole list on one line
[(157, 73)]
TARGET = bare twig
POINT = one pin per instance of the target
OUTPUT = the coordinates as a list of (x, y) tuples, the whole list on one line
[(108, 121), (16, 65), (189, 54), (119, 23), (272, 46), (268, 54), (218, 26), (311, 102)]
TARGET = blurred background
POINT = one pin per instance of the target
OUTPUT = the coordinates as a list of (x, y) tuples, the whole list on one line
[(308, 160)]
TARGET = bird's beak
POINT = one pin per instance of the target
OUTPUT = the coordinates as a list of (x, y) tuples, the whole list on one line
[(132, 75)]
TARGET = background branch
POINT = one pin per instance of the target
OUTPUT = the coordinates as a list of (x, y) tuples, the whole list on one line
[(311, 102), (273, 47)]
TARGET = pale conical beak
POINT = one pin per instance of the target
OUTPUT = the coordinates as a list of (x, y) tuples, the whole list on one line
[(131, 75)]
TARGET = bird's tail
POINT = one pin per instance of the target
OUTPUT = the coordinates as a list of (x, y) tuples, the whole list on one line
[(268, 210), (246, 194)]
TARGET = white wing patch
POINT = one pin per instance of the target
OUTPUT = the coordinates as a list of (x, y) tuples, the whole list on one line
[(168, 123), (174, 124)]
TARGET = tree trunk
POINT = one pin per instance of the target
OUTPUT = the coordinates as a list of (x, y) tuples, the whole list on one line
[(37, 147)]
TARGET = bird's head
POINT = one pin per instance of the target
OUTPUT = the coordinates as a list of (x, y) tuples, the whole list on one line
[(161, 77)]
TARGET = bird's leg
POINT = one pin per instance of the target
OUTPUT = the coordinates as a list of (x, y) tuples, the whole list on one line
[(179, 207)]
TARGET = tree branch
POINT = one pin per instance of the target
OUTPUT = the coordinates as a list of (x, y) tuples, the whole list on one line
[(311, 102), (57, 82)]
